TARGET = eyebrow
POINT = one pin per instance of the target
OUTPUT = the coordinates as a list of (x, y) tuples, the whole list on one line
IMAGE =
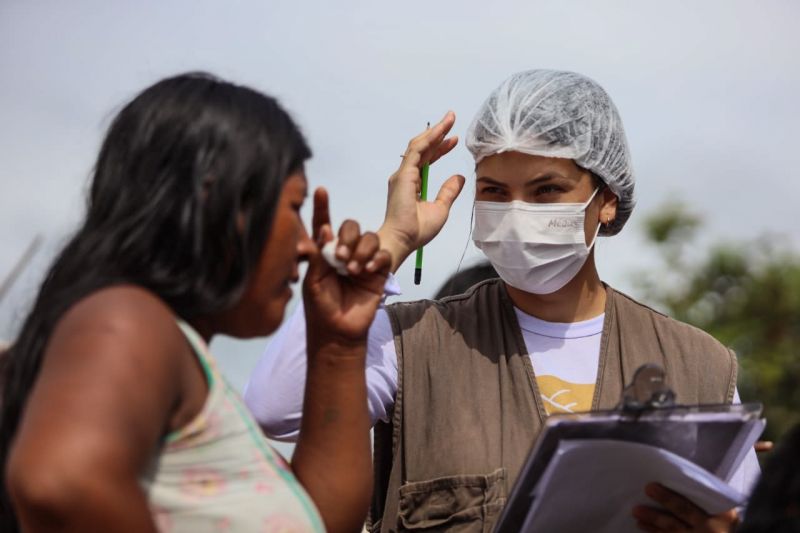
[(534, 181)]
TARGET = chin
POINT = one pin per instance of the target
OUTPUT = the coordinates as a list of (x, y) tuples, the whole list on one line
[(272, 319), (259, 323)]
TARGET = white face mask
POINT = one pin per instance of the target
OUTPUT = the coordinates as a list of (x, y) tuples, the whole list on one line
[(536, 248)]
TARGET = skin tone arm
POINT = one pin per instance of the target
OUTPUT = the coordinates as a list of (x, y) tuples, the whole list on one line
[(77, 458), (333, 455), (341, 310)]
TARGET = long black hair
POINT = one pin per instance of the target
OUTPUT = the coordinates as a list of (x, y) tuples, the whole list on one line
[(181, 203)]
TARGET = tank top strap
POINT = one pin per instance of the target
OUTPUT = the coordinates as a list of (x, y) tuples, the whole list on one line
[(200, 349), (210, 372), (219, 471)]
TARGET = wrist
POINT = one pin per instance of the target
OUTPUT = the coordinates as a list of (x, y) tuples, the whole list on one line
[(338, 349), (397, 247)]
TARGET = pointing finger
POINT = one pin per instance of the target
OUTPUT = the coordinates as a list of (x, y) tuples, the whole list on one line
[(322, 214)]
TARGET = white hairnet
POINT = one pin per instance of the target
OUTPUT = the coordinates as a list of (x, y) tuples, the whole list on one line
[(558, 114)]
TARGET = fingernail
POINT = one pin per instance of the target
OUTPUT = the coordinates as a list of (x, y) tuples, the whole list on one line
[(342, 251), (354, 267), (371, 266)]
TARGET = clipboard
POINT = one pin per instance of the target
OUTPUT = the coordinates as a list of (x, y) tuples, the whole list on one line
[(714, 438)]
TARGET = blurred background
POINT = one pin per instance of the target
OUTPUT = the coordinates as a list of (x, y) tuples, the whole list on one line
[(708, 92)]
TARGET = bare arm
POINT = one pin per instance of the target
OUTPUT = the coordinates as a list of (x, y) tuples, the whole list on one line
[(94, 418), (332, 459), (275, 391)]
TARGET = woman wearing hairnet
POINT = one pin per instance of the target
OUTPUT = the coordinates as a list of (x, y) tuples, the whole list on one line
[(459, 388)]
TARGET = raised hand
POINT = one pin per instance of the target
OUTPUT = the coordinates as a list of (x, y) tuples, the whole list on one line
[(339, 308), (410, 222), (333, 458)]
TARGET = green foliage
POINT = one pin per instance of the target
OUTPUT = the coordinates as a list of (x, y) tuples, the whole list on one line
[(747, 295), (671, 225)]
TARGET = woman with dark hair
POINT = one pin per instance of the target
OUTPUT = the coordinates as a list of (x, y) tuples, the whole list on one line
[(115, 417)]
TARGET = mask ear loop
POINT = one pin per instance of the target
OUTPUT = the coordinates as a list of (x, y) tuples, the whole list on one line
[(599, 222), (587, 202), (469, 236), (596, 233), (471, 225)]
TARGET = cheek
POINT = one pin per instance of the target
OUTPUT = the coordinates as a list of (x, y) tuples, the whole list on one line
[(286, 236), (279, 252)]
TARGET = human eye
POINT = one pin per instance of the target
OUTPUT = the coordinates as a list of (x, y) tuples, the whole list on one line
[(548, 192), (493, 191), (297, 204)]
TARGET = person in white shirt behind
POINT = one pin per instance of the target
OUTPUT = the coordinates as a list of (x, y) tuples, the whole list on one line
[(553, 171)]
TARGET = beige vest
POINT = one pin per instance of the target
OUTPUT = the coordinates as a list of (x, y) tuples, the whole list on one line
[(468, 410)]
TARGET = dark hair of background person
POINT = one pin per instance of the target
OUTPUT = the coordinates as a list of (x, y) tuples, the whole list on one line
[(462, 280), (775, 502), (181, 203)]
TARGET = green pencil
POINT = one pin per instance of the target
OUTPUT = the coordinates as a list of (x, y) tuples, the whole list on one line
[(423, 195)]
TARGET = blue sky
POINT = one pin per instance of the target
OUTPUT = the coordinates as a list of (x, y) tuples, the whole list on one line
[(708, 92)]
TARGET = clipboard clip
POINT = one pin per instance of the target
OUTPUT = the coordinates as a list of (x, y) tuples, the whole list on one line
[(647, 391)]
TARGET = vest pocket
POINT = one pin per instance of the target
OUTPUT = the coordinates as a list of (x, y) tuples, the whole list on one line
[(453, 503)]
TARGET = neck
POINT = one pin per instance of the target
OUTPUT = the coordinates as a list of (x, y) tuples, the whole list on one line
[(583, 298)]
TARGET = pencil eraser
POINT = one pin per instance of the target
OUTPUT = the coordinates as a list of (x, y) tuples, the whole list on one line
[(329, 253)]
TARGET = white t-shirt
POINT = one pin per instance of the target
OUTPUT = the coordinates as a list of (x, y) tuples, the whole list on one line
[(565, 358)]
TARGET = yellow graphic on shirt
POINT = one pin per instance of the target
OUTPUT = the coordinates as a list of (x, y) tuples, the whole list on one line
[(561, 396)]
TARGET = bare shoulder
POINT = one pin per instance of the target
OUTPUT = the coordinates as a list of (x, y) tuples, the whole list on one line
[(127, 312), (108, 386), (117, 343), (120, 326)]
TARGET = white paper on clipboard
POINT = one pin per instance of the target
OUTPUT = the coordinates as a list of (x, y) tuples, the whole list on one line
[(605, 479), (692, 449)]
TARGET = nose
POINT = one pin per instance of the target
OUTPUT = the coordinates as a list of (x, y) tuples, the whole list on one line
[(305, 246)]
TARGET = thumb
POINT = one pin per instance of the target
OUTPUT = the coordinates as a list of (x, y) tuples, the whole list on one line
[(438, 211), (450, 190)]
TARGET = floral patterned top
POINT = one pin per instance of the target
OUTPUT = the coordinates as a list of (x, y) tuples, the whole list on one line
[(218, 473)]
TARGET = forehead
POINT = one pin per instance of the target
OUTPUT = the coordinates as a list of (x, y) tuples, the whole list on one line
[(296, 182), (515, 165)]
